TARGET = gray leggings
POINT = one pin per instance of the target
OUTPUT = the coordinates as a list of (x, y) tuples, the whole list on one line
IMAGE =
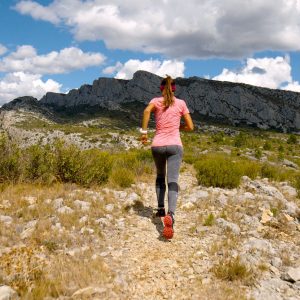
[(167, 157)]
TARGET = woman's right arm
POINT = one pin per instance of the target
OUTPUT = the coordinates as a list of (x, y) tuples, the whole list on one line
[(145, 121), (188, 123)]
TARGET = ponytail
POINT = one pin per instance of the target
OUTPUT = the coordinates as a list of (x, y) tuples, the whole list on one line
[(168, 85)]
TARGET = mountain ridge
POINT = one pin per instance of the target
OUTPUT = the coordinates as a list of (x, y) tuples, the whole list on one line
[(226, 102)]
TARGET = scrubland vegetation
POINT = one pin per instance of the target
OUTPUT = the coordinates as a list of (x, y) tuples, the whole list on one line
[(219, 161)]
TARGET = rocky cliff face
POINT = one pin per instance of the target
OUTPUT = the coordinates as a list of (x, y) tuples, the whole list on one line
[(233, 103)]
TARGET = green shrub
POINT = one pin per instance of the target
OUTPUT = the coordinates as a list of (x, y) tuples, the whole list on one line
[(68, 161), (258, 153), (292, 139), (267, 146), (137, 161), (269, 171), (189, 157), (218, 138), (217, 171), (280, 156), (144, 155), (10, 161), (236, 152), (240, 140), (122, 177), (249, 168), (277, 173), (95, 167), (280, 148), (40, 164)]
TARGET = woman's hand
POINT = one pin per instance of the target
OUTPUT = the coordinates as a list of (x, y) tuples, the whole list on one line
[(188, 123), (144, 139)]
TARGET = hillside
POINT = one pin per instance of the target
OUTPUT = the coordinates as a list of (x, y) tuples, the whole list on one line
[(208, 100)]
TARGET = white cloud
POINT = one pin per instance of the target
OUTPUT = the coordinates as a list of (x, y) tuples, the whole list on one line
[(112, 69), (37, 11), (207, 28), (3, 49), (173, 68), (18, 84), (266, 72), (26, 59), (292, 86)]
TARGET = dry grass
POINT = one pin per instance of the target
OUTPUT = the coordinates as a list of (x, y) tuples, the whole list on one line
[(67, 274), (220, 291), (225, 245), (35, 274), (39, 267), (232, 269), (209, 220)]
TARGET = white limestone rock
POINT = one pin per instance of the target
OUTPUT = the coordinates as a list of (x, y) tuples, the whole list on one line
[(260, 245), (292, 275), (65, 210), (7, 220), (89, 293), (58, 203), (7, 293), (229, 225), (83, 205)]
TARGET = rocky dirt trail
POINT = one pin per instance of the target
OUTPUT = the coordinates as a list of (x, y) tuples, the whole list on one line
[(256, 228), (151, 267), (148, 265)]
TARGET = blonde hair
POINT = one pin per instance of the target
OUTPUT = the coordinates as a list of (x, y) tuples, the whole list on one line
[(168, 92)]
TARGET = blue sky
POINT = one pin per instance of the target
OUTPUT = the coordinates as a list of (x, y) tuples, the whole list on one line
[(58, 45)]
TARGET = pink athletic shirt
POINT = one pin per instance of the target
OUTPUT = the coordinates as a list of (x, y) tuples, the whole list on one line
[(168, 122)]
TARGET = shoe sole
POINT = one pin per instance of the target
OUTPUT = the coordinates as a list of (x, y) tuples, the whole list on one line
[(168, 231)]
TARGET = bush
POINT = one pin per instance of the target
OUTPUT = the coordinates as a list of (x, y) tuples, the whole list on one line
[(40, 163), (95, 167), (10, 161), (218, 138), (137, 161), (240, 140), (122, 177), (267, 146), (217, 171), (249, 168), (190, 158), (258, 153), (280, 148), (277, 173), (68, 161), (82, 167), (292, 139), (269, 171)]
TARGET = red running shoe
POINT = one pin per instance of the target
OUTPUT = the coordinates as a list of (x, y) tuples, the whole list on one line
[(168, 231)]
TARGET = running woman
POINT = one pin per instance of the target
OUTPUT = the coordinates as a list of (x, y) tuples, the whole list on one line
[(167, 147)]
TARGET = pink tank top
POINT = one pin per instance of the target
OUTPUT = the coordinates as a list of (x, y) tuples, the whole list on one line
[(168, 122)]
